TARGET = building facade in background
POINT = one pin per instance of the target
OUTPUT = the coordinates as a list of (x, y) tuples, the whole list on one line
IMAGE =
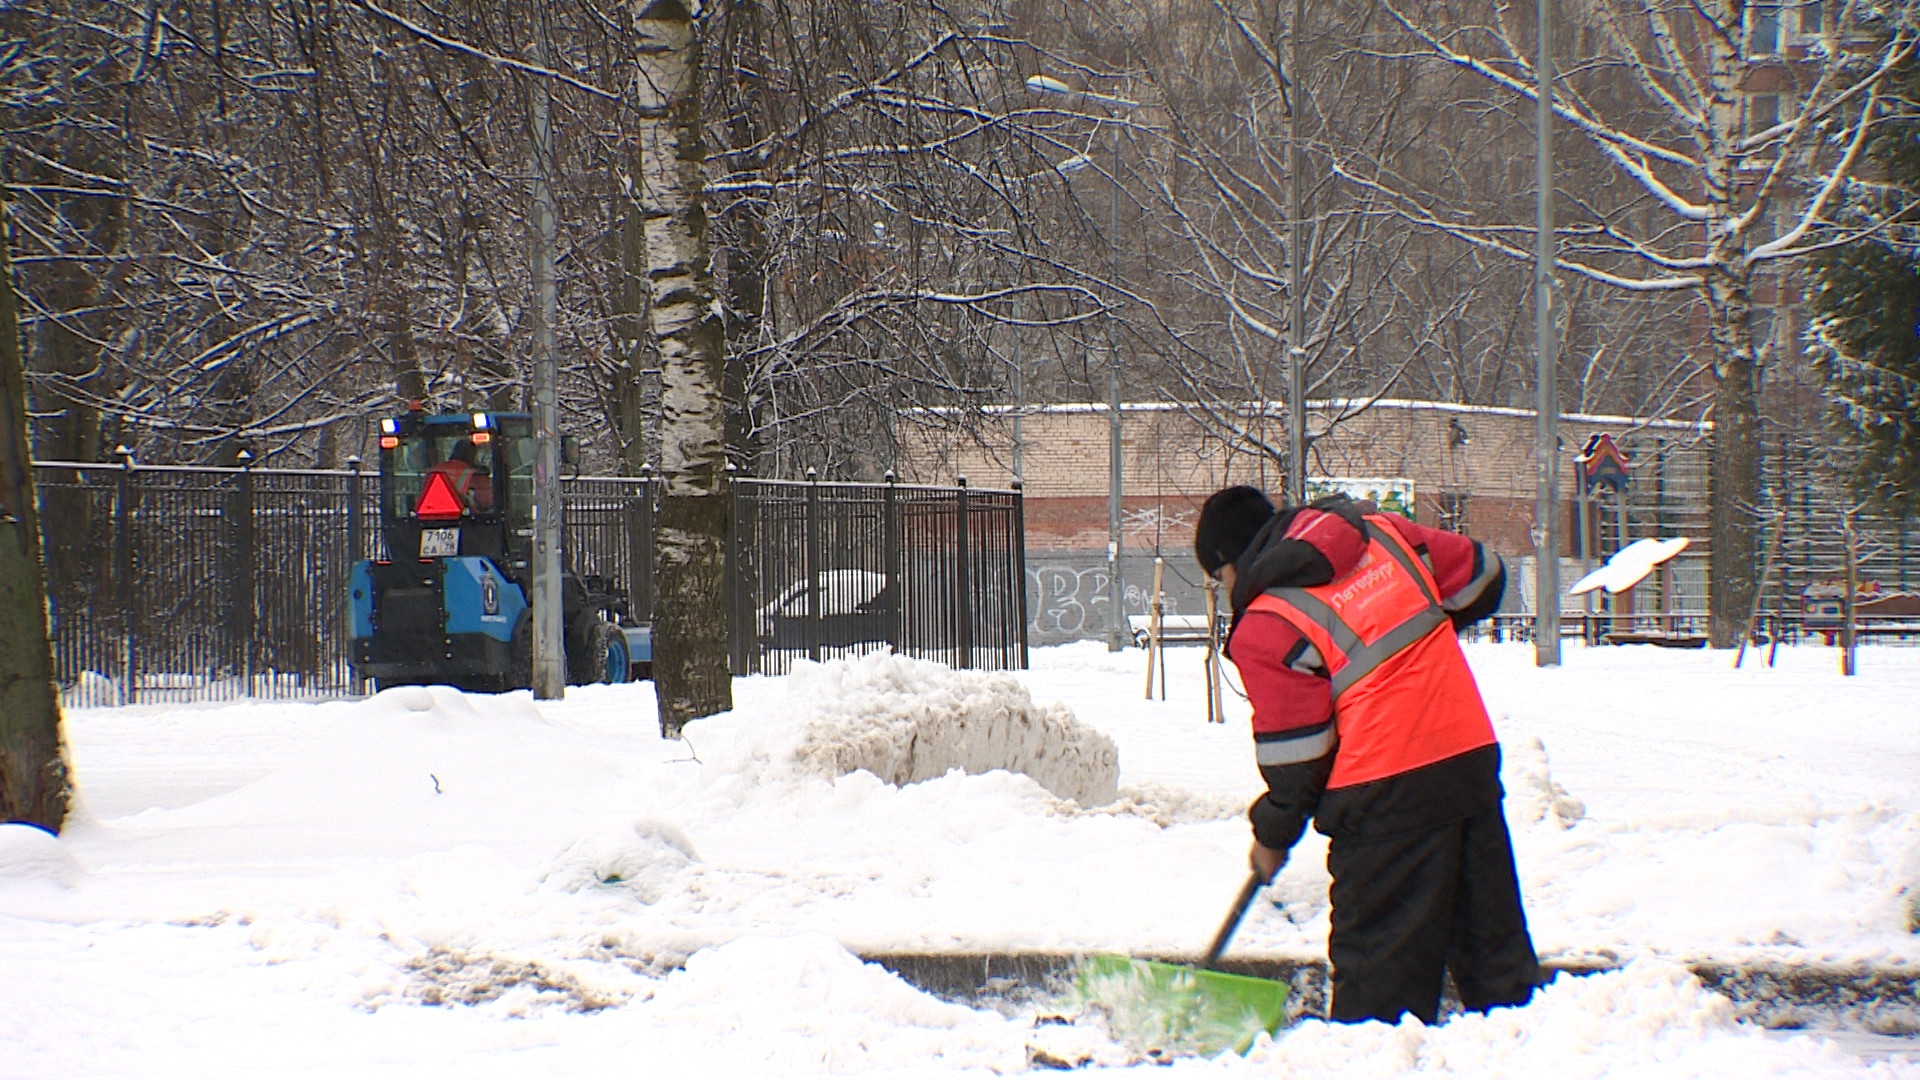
[(1469, 468)]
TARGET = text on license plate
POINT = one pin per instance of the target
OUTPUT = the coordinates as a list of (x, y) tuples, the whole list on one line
[(439, 543)]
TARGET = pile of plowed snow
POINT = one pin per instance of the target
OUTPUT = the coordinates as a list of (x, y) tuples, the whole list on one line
[(907, 720)]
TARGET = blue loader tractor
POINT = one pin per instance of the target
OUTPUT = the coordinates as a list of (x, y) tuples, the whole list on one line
[(451, 602)]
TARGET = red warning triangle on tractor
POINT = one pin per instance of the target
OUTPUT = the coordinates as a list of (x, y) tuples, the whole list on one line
[(437, 499)]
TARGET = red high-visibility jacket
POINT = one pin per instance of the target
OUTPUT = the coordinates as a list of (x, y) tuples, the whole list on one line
[(1403, 696), (474, 487), (1290, 683)]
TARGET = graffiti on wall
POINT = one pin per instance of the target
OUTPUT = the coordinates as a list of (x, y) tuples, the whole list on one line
[(1068, 600)]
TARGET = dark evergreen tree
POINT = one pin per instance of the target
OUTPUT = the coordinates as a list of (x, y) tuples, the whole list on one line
[(1865, 305)]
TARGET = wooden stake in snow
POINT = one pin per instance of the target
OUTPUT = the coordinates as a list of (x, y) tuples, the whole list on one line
[(1216, 712), (1850, 550), (1156, 653)]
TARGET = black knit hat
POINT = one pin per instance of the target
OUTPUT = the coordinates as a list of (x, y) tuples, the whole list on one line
[(1228, 521)]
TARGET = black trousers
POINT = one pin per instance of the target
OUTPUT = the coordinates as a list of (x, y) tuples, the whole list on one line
[(1410, 907)]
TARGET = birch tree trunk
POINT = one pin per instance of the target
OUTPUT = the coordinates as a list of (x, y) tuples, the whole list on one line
[(34, 784), (690, 675)]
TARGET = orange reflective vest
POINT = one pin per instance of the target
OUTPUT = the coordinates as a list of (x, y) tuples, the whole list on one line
[(1403, 696), (473, 486)]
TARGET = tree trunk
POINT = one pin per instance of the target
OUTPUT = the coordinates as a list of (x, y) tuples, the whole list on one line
[(34, 784), (1734, 488), (690, 673), (1733, 476)]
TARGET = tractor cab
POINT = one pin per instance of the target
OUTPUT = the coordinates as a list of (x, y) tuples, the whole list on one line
[(451, 602), (460, 485)]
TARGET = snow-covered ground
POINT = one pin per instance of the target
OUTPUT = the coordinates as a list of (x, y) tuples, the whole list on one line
[(432, 884)]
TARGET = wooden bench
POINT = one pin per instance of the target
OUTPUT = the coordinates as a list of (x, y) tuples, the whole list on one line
[(1670, 641), (1174, 629)]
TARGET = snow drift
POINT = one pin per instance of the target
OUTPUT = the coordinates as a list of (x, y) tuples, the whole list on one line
[(906, 720), (31, 854)]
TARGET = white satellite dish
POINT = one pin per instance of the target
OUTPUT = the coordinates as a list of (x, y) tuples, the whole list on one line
[(1630, 564)]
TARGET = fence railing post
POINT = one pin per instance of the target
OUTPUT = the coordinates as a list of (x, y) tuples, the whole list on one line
[(248, 577), (356, 523), (640, 548), (123, 578), (743, 653), (356, 544), (963, 578), (890, 559), (812, 568), (1019, 559)]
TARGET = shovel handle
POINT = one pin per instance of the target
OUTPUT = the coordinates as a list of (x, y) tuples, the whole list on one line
[(1240, 905)]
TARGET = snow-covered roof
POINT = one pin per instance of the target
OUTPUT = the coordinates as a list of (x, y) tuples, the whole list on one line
[(1323, 405)]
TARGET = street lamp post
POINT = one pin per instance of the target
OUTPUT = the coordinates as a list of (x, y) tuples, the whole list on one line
[(549, 642), (1296, 265), (1546, 533), (1116, 630)]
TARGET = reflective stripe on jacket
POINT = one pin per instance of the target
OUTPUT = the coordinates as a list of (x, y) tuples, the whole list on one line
[(1403, 696)]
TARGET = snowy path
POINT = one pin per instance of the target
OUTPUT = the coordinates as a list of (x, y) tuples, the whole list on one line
[(283, 888)]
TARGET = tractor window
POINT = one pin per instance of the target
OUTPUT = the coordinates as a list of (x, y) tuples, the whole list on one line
[(520, 479), (415, 457)]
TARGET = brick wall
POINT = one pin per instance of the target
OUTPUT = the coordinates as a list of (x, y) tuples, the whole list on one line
[(1473, 468)]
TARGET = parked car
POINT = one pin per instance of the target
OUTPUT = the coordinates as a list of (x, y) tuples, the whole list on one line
[(855, 606)]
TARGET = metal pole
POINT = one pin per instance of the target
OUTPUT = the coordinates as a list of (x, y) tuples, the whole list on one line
[(123, 579), (890, 553), (549, 644), (1019, 563), (356, 536), (1296, 302), (246, 584), (1116, 631), (1546, 533), (811, 555), (1019, 395), (963, 577)]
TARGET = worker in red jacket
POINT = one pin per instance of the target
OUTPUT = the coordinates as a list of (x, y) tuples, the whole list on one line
[(1367, 720), (470, 482)]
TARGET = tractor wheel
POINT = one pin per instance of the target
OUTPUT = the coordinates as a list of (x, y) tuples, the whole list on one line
[(606, 659)]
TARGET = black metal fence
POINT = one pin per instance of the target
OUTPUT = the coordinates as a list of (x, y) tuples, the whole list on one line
[(832, 569), (170, 583)]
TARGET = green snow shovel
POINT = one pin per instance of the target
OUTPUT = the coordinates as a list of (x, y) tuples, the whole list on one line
[(1166, 1009)]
